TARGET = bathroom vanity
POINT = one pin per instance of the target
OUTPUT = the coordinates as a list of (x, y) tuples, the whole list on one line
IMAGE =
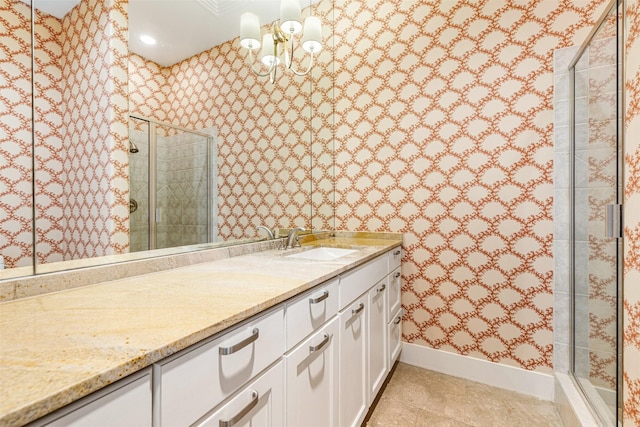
[(283, 338)]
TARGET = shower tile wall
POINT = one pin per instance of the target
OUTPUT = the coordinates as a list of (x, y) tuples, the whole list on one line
[(182, 198), (139, 186), (562, 209)]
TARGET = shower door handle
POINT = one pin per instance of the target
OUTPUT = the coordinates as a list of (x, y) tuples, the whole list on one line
[(613, 221)]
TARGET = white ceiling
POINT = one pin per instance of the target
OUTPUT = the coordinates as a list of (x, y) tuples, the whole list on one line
[(182, 28)]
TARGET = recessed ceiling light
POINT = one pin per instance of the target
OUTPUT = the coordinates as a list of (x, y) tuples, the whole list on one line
[(147, 39)]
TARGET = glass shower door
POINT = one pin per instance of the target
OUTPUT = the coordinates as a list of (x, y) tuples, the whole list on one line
[(171, 181), (597, 243)]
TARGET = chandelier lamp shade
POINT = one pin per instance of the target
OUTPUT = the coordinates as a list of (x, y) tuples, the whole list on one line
[(279, 40)]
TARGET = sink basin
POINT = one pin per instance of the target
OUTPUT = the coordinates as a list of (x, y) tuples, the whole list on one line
[(322, 254)]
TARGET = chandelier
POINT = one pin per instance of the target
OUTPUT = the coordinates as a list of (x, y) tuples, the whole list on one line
[(280, 39)]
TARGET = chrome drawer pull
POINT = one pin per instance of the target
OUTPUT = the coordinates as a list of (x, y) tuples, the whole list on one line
[(397, 275), (398, 252), (381, 288), (225, 351), (398, 320), (313, 348), (357, 310), (233, 421), (322, 297)]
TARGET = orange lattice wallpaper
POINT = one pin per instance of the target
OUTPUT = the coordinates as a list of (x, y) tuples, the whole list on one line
[(80, 133), (631, 338), (96, 187), (15, 143), (444, 132)]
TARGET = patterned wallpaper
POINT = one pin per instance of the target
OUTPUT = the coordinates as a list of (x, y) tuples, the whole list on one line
[(95, 113), (264, 132), (444, 132), (15, 139), (631, 338), (81, 133)]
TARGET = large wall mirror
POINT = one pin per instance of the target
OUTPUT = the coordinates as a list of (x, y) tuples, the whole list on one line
[(132, 150)]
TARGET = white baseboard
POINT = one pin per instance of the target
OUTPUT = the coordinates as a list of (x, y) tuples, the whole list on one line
[(494, 374)]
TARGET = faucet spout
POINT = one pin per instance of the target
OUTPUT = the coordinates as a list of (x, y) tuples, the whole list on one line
[(269, 232), (292, 238)]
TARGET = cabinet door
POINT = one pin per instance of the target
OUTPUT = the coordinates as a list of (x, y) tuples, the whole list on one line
[(125, 403), (394, 291), (259, 404), (395, 258), (312, 380), (395, 337), (353, 362), (377, 333)]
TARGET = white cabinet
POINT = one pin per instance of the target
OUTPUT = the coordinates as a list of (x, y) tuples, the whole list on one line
[(377, 334), (395, 338), (195, 382), (125, 403), (353, 394), (312, 380), (394, 292), (259, 404)]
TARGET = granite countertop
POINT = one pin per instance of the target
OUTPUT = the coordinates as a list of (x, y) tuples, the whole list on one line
[(57, 348)]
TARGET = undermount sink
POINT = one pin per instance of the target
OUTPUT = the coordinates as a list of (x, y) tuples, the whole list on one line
[(322, 254)]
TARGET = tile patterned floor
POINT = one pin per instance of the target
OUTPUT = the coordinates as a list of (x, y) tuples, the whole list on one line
[(418, 397)]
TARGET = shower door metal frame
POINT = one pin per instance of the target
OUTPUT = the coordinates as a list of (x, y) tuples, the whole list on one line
[(153, 181), (620, 137)]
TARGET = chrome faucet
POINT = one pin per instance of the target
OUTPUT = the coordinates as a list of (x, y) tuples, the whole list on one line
[(292, 238), (269, 232)]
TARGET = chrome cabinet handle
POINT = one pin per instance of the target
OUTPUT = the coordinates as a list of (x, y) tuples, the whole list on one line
[(398, 320), (313, 348), (357, 310), (225, 351), (322, 297), (381, 288), (397, 274), (234, 420)]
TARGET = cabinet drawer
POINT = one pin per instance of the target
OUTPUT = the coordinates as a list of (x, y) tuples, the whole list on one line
[(307, 313), (125, 403), (194, 383), (356, 282), (395, 337), (312, 380), (261, 403), (395, 289), (395, 257)]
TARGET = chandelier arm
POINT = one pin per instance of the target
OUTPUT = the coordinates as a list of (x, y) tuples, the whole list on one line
[(303, 73), (256, 72), (288, 57)]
